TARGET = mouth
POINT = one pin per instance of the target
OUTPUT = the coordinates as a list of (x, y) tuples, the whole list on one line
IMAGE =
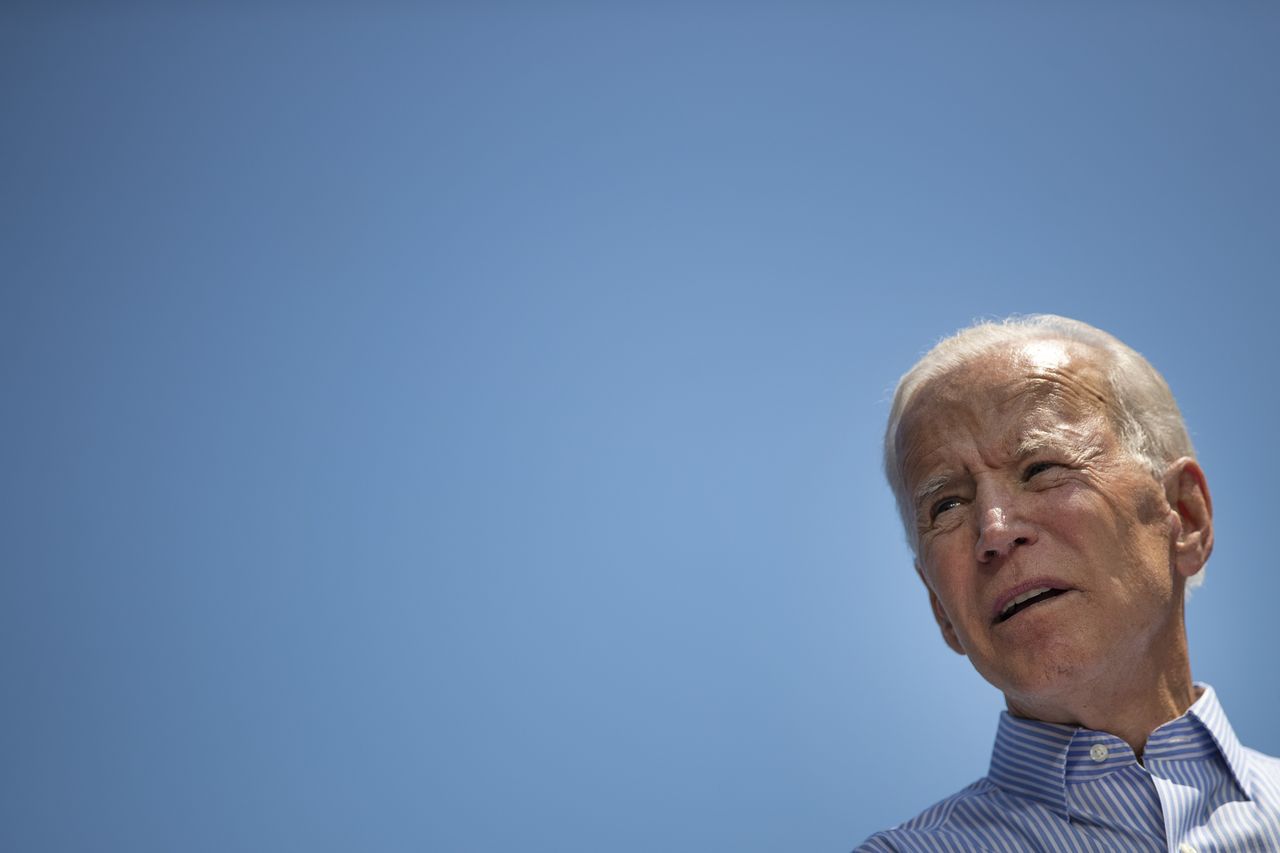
[(1026, 600)]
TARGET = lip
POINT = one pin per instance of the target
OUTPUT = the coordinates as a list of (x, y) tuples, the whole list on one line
[(1014, 591)]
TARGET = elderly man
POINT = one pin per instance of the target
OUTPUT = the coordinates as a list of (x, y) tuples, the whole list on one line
[(1057, 515)]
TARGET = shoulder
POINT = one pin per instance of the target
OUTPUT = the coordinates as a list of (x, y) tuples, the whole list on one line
[(955, 823), (1261, 759), (1264, 768)]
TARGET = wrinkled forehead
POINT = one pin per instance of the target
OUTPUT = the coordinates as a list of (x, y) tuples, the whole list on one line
[(1049, 383)]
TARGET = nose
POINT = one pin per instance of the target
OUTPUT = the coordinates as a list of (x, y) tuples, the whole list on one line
[(1000, 532)]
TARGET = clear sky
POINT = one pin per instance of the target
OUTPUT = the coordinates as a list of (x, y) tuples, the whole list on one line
[(457, 428)]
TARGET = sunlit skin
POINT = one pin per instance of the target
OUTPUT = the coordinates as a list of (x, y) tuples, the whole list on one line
[(1021, 481)]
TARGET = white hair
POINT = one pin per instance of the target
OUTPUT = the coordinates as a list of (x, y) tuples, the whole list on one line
[(1144, 413)]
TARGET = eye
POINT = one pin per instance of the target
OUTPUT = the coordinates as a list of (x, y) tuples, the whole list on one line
[(943, 505), (1037, 468)]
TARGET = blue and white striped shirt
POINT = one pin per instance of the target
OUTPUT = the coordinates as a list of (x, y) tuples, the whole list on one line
[(1053, 787)]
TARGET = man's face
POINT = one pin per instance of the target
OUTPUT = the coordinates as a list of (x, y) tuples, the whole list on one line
[(1022, 490)]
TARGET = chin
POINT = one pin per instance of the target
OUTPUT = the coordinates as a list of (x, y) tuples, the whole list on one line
[(1045, 679), (1046, 684)]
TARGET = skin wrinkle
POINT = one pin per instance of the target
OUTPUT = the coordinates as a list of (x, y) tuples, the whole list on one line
[(1111, 652), (1076, 445), (1054, 385), (1143, 411)]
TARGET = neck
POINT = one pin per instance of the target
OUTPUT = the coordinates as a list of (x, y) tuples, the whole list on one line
[(1130, 703)]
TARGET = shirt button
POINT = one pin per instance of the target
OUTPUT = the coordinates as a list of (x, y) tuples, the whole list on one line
[(1186, 848), (1099, 752)]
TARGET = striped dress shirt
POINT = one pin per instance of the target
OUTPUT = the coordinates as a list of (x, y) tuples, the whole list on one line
[(1053, 787)]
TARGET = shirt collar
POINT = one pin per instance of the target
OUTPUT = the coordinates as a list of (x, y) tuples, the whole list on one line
[(1036, 760), (1212, 719)]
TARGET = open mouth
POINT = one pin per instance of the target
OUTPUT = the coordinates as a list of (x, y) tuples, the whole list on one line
[(1030, 598)]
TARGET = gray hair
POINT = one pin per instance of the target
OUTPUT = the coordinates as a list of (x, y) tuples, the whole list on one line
[(1145, 415)]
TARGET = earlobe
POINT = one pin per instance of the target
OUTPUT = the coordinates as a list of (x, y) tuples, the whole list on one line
[(944, 624), (1188, 494)]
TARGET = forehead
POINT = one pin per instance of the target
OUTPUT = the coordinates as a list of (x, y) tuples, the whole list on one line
[(1045, 387)]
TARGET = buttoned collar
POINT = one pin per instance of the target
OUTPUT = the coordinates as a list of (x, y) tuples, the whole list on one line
[(1039, 760)]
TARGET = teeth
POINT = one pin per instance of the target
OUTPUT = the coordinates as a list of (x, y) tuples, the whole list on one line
[(1031, 593)]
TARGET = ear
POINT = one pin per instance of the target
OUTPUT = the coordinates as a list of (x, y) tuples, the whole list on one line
[(944, 624), (1188, 496)]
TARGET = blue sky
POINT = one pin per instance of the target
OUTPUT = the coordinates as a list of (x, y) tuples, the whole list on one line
[(457, 428)]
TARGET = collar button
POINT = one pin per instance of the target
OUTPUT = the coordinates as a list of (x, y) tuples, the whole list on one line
[(1099, 752)]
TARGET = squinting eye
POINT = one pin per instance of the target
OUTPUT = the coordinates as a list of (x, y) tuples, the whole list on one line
[(943, 505), (1037, 468)]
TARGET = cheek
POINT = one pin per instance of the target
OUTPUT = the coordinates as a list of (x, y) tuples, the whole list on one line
[(946, 567), (1082, 515), (1126, 542), (1151, 507), (945, 559)]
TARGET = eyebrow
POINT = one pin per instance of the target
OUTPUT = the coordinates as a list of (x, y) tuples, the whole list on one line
[(930, 487), (1038, 440), (1035, 441)]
